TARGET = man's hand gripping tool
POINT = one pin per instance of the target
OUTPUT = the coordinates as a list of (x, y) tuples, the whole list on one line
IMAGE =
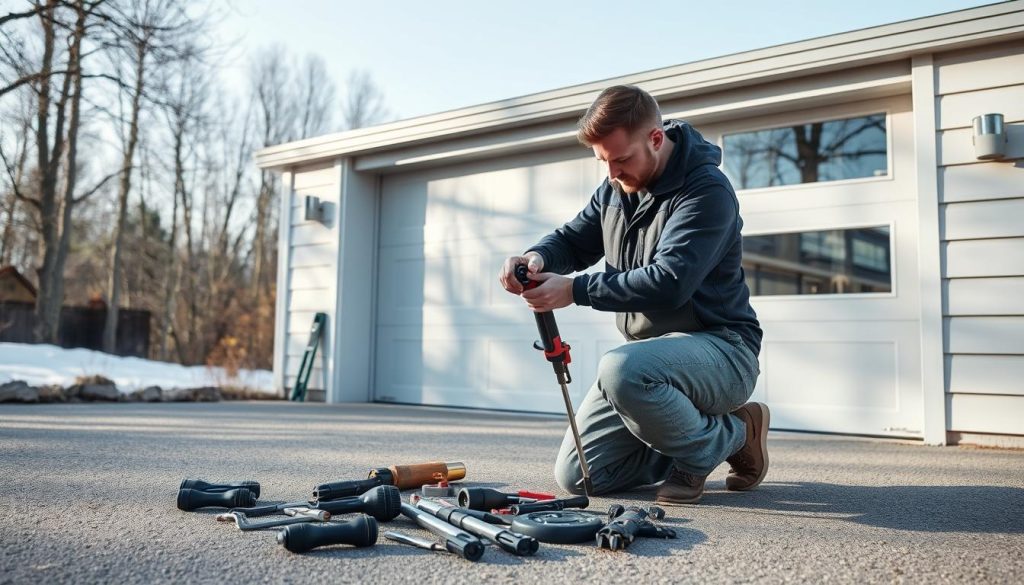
[(557, 352)]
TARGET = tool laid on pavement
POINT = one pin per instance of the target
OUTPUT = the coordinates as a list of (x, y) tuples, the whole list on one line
[(413, 541), (625, 524), (488, 499), (535, 495), (190, 499), (439, 490), (298, 516), (488, 517), (559, 526), (344, 489), (456, 540), (547, 505), (205, 486), (382, 502), (270, 509), (406, 477), (360, 531), (557, 352), (401, 476), (509, 541)]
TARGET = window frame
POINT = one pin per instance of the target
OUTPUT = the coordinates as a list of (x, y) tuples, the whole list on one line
[(893, 261), (860, 113)]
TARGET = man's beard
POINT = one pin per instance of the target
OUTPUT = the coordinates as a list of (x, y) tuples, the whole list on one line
[(637, 184)]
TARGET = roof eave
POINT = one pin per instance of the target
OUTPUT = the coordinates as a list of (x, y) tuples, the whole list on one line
[(851, 49)]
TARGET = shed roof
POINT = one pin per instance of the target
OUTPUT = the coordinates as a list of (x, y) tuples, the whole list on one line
[(963, 28), (13, 273)]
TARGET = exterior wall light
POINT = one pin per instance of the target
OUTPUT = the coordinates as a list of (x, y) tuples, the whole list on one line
[(989, 137), (314, 209)]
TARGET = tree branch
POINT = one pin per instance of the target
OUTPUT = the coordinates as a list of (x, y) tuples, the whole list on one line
[(96, 187)]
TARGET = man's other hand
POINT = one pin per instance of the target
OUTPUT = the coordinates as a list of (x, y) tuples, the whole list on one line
[(554, 292), (507, 277)]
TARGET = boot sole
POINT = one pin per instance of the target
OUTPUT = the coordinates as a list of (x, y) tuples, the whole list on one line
[(762, 439)]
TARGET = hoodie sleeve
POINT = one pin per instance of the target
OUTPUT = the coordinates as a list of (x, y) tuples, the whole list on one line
[(693, 241), (576, 245)]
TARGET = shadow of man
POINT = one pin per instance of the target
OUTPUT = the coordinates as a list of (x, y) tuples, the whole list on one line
[(938, 508)]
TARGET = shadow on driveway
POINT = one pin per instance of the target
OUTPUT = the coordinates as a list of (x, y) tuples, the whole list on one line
[(963, 508)]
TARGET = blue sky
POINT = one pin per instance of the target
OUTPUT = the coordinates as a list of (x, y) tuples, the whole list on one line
[(432, 56)]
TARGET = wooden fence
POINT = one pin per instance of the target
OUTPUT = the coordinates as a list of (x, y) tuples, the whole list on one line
[(79, 327)]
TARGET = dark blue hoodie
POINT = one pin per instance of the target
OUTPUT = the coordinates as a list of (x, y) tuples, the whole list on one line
[(673, 265)]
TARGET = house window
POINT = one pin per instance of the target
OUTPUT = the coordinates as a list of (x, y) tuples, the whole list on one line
[(832, 150), (845, 261)]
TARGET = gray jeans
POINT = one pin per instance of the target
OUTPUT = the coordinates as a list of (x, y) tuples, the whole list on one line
[(659, 402)]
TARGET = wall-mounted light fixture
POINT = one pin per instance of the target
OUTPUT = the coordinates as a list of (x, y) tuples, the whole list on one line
[(989, 137), (314, 209)]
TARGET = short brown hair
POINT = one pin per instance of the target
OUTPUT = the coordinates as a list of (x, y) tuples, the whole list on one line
[(619, 106)]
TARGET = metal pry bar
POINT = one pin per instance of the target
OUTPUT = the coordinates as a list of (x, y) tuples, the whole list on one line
[(298, 516)]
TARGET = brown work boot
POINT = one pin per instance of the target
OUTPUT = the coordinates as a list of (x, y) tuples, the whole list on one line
[(680, 488), (750, 463)]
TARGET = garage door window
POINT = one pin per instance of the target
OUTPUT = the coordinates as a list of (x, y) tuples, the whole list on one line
[(841, 261), (832, 150)]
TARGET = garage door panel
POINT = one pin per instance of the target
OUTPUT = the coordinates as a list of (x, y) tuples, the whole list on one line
[(486, 366), (845, 377), (492, 202)]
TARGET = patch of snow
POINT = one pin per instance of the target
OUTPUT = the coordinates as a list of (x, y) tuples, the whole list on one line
[(48, 364)]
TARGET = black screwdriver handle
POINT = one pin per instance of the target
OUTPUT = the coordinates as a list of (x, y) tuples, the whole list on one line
[(206, 486), (487, 499), (189, 499), (345, 489), (300, 538)]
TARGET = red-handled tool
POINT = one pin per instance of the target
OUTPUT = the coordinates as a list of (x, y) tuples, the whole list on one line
[(557, 352)]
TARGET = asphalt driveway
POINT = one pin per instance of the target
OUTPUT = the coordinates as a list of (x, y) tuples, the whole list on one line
[(87, 494)]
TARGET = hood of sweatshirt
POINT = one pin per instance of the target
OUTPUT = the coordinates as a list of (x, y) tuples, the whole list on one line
[(691, 151)]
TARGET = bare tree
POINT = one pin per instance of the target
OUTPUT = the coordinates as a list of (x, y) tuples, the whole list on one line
[(56, 82), (316, 97), (364, 102), (149, 33), (274, 107)]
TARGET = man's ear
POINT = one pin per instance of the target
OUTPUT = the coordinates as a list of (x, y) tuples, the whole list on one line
[(657, 138)]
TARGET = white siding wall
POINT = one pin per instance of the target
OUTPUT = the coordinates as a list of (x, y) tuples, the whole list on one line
[(311, 274), (981, 218)]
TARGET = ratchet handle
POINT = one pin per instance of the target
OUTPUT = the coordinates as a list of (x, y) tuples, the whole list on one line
[(555, 350)]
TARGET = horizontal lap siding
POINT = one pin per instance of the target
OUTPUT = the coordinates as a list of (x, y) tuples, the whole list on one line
[(312, 271), (981, 218)]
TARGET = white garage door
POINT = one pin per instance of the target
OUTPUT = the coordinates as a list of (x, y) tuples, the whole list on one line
[(447, 333), (830, 254), (833, 265)]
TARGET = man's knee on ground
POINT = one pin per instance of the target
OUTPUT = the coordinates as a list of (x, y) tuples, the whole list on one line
[(568, 475)]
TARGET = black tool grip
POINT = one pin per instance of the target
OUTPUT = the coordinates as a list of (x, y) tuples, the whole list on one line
[(345, 489), (548, 505), (471, 550), (206, 486), (555, 351), (485, 499), (189, 499), (383, 502), (300, 538), (546, 325)]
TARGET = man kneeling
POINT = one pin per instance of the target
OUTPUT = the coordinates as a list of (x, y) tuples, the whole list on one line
[(669, 404)]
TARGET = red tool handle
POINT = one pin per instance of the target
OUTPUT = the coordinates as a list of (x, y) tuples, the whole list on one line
[(535, 495), (555, 350)]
